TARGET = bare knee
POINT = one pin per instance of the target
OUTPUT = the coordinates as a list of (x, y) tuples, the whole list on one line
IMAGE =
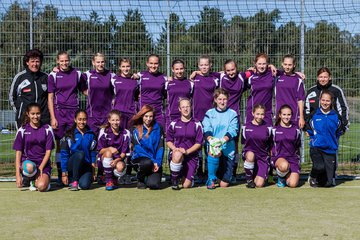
[(177, 157), (282, 165), (107, 154), (259, 182), (120, 166), (187, 183), (250, 156)]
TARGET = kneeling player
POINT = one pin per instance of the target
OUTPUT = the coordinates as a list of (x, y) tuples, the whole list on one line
[(113, 144), (256, 137), (285, 152), (220, 129), (33, 144), (184, 138)]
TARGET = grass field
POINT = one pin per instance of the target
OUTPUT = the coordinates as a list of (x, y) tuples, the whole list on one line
[(198, 213)]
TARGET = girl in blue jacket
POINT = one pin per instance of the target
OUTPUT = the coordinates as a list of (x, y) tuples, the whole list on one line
[(148, 141), (220, 128), (324, 128), (78, 154)]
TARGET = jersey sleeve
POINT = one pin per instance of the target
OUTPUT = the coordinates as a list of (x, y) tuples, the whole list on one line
[(19, 140), (50, 138), (233, 127), (199, 133), (301, 90), (83, 84), (126, 143), (64, 153), (208, 129), (170, 132), (51, 82), (101, 140)]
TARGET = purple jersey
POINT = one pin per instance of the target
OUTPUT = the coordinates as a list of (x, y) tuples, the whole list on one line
[(152, 90), (256, 138), (185, 134), (286, 142), (289, 89), (177, 89), (65, 86), (261, 92), (235, 87), (100, 93), (108, 139), (202, 100), (126, 91), (34, 142)]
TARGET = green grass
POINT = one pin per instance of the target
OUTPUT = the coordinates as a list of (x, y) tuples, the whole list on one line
[(198, 213)]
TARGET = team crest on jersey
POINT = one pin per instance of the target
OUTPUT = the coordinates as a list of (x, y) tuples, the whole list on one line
[(44, 87)]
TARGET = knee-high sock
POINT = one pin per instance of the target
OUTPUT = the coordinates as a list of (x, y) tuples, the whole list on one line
[(100, 171), (175, 169), (213, 165), (108, 170), (249, 170)]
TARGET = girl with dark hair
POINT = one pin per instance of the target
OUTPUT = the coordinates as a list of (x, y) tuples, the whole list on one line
[(78, 154), (148, 141), (113, 144), (324, 128), (33, 144), (285, 151)]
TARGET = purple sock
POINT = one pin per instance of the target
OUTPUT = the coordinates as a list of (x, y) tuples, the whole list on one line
[(249, 170)]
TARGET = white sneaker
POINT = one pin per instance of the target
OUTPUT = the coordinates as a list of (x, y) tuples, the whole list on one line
[(32, 186)]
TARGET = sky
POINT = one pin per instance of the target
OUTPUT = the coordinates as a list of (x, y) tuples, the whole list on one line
[(345, 14)]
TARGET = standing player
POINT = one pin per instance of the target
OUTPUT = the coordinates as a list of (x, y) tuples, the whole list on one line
[(234, 83), (33, 144), (220, 129), (30, 85), (178, 88), (256, 137), (324, 128), (285, 152), (289, 89), (152, 88), (113, 144), (261, 84), (99, 92), (148, 140), (78, 154), (184, 138), (63, 102), (126, 93), (205, 83)]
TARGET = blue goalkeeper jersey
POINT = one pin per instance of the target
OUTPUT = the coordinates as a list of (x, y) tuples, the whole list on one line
[(221, 123)]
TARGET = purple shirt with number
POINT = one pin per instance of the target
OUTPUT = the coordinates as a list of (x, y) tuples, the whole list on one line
[(152, 90), (235, 87), (261, 92), (100, 93), (202, 100), (126, 92), (65, 86), (108, 139), (185, 134), (256, 138), (289, 89), (177, 89), (34, 142), (286, 142)]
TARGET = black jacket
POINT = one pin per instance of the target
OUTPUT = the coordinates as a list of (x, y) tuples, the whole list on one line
[(340, 105), (28, 87)]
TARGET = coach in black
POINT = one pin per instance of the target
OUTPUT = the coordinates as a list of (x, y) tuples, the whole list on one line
[(30, 85)]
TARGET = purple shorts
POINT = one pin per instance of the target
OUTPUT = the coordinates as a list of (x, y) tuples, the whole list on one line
[(262, 165), (65, 119), (293, 161), (95, 123), (190, 166)]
